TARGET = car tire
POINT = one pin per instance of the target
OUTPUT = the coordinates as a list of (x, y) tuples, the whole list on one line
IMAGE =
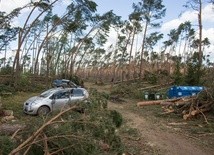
[(43, 110)]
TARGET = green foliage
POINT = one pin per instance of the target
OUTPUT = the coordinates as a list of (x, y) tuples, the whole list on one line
[(151, 78), (194, 71), (6, 145), (6, 88), (99, 100), (128, 90), (77, 80), (177, 75), (7, 70), (24, 82), (150, 11), (152, 39), (122, 90), (79, 133), (117, 118)]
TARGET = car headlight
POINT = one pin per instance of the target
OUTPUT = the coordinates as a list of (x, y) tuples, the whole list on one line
[(33, 104)]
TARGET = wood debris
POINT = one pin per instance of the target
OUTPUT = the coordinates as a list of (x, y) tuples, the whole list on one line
[(188, 107), (157, 102)]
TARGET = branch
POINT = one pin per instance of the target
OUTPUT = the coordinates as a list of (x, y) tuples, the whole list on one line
[(26, 142)]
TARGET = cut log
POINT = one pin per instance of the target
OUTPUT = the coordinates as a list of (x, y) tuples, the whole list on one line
[(166, 103), (180, 103), (187, 116), (168, 111), (198, 111), (144, 103), (7, 118), (193, 113), (156, 102), (8, 112)]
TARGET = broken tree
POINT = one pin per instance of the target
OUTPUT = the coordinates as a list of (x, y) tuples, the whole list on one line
[(188, 107)]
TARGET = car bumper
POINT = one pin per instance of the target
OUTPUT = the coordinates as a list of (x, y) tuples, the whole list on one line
[(28, 110)]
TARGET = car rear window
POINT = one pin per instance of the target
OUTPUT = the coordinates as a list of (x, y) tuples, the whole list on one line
[(77, 92)]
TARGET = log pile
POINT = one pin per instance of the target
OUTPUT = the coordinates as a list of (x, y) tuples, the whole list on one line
[(188, 107)]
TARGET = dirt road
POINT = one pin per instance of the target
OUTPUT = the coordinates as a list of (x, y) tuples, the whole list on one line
[(157, 138)]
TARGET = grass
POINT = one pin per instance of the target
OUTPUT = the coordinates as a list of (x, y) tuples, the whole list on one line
[(15, 103), (194, 128)]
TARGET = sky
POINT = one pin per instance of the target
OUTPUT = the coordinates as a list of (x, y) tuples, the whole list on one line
[(124, 7), (176, 13)]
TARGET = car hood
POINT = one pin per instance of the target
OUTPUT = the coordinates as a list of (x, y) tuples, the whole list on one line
[(34, 99)]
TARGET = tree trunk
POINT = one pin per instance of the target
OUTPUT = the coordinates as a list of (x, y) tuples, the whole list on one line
[(142, 51), (200, 52), (16, 65), (130, 53)]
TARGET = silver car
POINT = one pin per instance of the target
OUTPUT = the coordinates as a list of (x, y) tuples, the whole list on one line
[(54, 99)]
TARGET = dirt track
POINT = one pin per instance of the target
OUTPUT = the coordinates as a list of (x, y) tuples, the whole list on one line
[(166, 142)]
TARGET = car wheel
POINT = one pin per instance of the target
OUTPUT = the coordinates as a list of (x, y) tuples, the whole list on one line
[(43, 110)]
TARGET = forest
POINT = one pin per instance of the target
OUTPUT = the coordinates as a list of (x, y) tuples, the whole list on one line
[(73, 44)]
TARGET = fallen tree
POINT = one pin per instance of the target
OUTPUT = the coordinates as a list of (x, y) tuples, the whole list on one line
[(156, 86), (158, 102), (70, 132), (188, 107)]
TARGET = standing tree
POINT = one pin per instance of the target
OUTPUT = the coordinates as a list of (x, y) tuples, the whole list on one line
[(196, 5), (177, 75), (150, 12), (23, 33), (7, 32)]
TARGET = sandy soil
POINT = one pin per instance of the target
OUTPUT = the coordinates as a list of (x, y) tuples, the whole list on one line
[(158, 138), (163, 141)]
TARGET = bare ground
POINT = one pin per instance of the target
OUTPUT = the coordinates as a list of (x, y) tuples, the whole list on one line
[(157, 138)]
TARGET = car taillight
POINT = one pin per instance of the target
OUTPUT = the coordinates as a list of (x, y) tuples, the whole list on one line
[(85, 94)]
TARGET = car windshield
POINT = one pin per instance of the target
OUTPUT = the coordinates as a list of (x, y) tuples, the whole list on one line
[(46, 93)]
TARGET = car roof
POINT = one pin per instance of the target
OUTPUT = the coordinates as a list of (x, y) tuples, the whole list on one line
[(61, 89), (58, 90)]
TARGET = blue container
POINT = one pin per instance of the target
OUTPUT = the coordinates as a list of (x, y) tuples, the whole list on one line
[(181, 91)]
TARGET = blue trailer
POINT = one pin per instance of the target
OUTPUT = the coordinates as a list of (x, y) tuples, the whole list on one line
[(181, 91)]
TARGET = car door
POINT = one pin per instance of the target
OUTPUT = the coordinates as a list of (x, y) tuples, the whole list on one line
[(61, 98), (76, 95)]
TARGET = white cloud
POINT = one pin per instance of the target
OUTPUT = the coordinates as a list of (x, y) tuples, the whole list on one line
[(208, 13), (8, 5), (170, 25), (66, 2), (173, 24), (192, 16), (209, 33), (208, 22)]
